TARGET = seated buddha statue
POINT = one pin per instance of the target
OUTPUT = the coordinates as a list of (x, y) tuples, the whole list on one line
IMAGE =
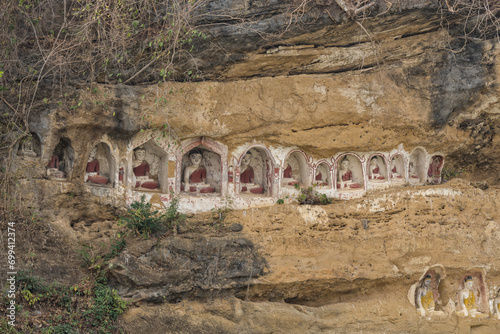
[(345, 176), (195, 175), (434, 171), (319, 179), (92, 173), (374, 170), (287, 176), (467, 301), (27, 148), (141, 171), (413, 172), (394, 170), (53, 168), (424, 298), (247, 180)]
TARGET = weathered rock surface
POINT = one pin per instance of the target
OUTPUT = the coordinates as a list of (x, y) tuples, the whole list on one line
[(347, 267)]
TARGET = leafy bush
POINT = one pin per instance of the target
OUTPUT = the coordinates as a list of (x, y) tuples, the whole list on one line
[(106, 307), (312, 197), (141, 218)]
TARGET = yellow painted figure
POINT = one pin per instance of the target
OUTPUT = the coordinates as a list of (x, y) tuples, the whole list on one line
[(428, 301), (467, 301)]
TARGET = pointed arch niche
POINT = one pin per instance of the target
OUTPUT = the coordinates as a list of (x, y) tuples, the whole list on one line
[(323, 174), (295, 169), (30, 146), (397, 173), (148, 167), (210, 177), (60, 166), (255, 172), (416, 166), (350, 176), (434, 170), (376, 170), (101, 166)]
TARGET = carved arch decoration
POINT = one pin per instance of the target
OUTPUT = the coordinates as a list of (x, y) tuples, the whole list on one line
[(383, 169), (107, 156), (358, 171), (400, 163), (323, 166), (269, 174), (298, 160), (157, 149), (213, 149)]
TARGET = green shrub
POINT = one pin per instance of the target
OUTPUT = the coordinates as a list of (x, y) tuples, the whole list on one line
[(141, 218), (312, 197)]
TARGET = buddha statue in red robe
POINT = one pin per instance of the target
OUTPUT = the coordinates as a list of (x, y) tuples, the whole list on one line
[(374, 170), (345, 180), (141, 171), (92, 173), (247, 178), (195, 175), (53, 170), (319, 179), (287, 176), (434, 171), (394, 170)]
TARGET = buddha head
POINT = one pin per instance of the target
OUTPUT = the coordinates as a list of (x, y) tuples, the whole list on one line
[(92, 154), (245, 160), (345, 164), (195, 156), (140, 154), (427, 281), (373, 162), (28, 145), (393, 162), (468, 282)]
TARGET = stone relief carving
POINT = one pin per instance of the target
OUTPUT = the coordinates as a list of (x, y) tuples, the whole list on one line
[(143, 177), (195, 175), (92, 171), (345, 176), (467, 300), (247, 176)]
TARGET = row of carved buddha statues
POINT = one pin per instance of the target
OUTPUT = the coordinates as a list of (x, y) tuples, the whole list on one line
[(202, 168), (470, 299)]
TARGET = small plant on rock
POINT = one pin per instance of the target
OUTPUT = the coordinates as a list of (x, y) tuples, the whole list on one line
[(312, 197), (141, 218)]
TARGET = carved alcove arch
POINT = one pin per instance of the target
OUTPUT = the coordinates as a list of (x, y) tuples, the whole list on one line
[(214, 163), (435, 167), (60, 165), (147, 168), (397, 172), (29, 146), (264, 171), (296, 169), (356, 180), (377, 172), (104, 164), (417, 164), (323, 174)]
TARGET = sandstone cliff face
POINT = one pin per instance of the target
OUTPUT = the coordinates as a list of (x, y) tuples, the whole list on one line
[(348, 267), (328, 88), (333, 90)]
